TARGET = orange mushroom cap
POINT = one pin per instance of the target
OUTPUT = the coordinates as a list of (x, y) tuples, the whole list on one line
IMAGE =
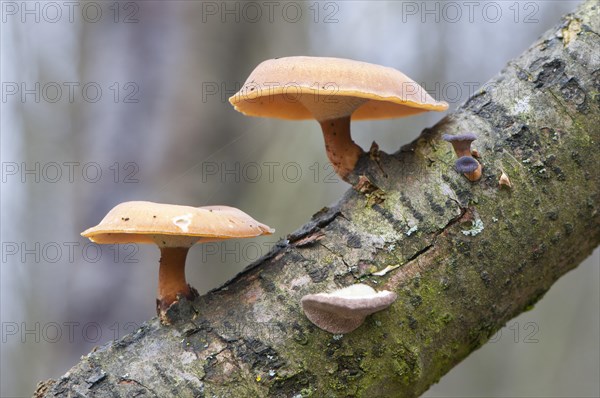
[(275, 86), (173, 225)]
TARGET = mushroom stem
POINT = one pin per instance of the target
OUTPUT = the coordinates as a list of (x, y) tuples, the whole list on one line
[(171, 276), (474, 175), (342, 151), (462, 150)]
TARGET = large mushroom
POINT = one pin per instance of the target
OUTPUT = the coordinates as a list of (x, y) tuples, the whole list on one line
[(174, 229), (332, 91)]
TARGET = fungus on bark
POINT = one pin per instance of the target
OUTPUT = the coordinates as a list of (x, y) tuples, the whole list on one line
[(470, 167), (344, 310), (174, 229), (332, 91), (462, 147), (504, 181)]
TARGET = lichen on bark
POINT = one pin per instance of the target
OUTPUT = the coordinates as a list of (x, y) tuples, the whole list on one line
[(469, 256)]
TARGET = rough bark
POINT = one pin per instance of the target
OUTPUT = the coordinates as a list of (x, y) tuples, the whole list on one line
[(470, 256)]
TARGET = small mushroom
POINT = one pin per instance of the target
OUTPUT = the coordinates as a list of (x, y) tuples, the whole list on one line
[(174, 229), (332, 91), (461, 143), (345, 309), (504, 181), (470, 167), (462, 147)]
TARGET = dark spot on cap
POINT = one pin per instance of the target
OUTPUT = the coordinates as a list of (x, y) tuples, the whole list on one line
[(125, 218)]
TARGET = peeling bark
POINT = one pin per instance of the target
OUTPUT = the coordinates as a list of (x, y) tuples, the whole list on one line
[(470, 256)]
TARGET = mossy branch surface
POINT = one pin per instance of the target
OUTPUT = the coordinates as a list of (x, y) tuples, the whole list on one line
[(470, 256)]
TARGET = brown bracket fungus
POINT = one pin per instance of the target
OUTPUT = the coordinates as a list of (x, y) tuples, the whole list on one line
[(332, 91), (462, 147), (345, 309), (174, 229)]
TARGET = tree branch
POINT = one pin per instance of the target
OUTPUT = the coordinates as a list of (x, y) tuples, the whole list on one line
[(470, 256)]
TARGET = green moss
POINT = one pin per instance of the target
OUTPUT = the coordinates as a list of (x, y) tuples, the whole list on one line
[(447, 318)]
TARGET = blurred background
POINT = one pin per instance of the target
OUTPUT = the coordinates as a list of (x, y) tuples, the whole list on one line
[(104, 102)]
